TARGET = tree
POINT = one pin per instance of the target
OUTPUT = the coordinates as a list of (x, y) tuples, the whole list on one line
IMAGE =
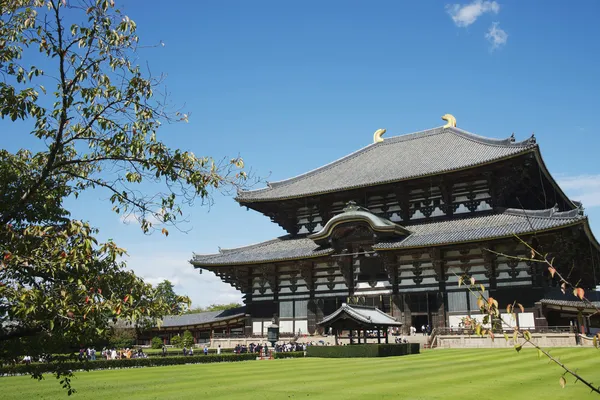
[(95, 116), (157, 343), (177, 341), (122, 338), (188, 339), (166, 293)]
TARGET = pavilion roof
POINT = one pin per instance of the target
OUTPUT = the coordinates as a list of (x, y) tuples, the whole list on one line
[(363, 315), (506, 223), (203, 317), (414, 155)]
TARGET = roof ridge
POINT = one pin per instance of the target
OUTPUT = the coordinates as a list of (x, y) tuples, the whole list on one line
[(509, 142), (548, 213)]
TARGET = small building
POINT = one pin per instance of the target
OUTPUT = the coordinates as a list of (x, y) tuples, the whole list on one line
[(394, 225)]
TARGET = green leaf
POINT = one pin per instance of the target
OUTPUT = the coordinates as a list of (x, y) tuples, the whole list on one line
[(518, 347)]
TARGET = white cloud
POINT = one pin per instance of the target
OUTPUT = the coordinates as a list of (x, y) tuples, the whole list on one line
[(584, 188), (496, 36), (203, 289), (465, 15)]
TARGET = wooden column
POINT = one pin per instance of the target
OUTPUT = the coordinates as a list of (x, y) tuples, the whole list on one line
[(378, 335)]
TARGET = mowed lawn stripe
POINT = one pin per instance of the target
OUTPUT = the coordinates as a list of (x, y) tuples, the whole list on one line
[(434, 374)]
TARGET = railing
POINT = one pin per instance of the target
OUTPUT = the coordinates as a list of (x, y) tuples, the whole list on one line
[(471, 331)]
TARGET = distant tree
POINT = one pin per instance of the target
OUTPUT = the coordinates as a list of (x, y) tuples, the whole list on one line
[(166, 292), (157, 342), (122, 338), (188, 339), (213, 307), (91, 118), (177, 341)]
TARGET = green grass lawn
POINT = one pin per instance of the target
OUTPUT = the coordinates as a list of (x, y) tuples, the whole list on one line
[(434, 374)]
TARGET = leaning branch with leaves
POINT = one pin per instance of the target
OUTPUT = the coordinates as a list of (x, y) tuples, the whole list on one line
[(490, 309)]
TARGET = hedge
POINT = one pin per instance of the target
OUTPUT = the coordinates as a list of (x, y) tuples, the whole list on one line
[(40, 368), (290, 354), (179, 352), (363, 350)]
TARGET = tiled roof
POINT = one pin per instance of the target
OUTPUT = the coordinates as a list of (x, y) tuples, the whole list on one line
[(280, 249), (362, 314), (397, 158), (570, 303), (510, 222), (202, 318), (507, 223)]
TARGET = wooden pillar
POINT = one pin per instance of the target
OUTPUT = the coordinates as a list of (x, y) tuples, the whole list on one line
[(358, 333), (378, 335), (337, 332), (387, 334), (351, 338)]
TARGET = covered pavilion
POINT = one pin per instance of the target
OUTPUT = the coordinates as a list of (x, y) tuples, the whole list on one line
[(359, 318)]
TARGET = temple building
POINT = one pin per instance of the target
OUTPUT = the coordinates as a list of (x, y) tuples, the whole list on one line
[(395, 224)]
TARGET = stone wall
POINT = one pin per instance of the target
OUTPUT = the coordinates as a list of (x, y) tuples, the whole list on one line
[(541, 339)]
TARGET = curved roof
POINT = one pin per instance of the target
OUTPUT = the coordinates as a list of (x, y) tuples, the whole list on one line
[(364, 315), (464, 230), (354, 213), (395, 159)]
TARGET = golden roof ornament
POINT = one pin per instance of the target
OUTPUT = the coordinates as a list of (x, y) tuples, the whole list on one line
[(377, 135), (451, 121)]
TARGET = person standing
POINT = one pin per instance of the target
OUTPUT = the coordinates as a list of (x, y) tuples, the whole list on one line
[(191, 352), (205, 350), (219, 349)]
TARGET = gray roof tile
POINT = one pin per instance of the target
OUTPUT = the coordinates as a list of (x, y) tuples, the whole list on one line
[(202, 318), (394, 159), (363, 314), (507, 223), (510, 222)]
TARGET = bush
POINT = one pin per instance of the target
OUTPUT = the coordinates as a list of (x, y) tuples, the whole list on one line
[(188, 339), (124, 363), (363, 350), (157, 342), (290, 354), (177, 341)]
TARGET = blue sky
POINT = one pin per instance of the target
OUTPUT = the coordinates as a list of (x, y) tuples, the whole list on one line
[(291, 86)]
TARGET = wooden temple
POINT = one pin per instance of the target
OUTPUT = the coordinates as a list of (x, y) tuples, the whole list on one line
[(395, 224)]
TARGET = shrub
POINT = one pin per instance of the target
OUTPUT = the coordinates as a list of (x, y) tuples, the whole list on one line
[(157, 342), (290, 354), (188, 339), (177, 341), (363, 350), (124, 363)]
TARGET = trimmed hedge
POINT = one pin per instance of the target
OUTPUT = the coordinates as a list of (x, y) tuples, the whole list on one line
[(290, 354), (40, 368), (363, 350)]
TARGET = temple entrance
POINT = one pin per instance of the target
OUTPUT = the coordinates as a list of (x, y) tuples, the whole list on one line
[(420, 320)]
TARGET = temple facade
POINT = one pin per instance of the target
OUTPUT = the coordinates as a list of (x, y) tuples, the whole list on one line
[(395, 224)]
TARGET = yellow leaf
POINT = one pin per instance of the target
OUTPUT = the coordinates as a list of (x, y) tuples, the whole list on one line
[(521, 307), (480, 302), (472, 281), (482, 288), (527, 335), (460, 281), (579, 293), (552, 271), (165, 232), (508, 307), (563, 287), (562, 382), (506, 337)]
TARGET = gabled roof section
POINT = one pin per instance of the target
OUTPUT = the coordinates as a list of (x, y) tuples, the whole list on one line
[(353, 213), (363, 315), (397, 158)]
